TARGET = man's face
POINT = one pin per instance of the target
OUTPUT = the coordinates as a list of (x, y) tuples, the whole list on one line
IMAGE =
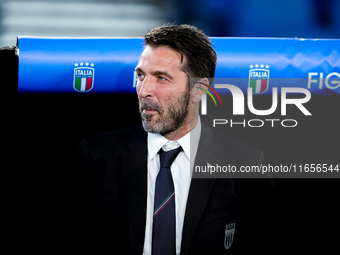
[(162, 90)]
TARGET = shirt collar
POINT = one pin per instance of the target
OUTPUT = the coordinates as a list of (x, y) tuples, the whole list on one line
[(191, 139)]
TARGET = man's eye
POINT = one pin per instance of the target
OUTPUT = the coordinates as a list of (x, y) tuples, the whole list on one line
[(140, 76), (162, 78)]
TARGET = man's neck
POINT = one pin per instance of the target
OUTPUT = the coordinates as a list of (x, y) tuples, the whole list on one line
[(184, 129)]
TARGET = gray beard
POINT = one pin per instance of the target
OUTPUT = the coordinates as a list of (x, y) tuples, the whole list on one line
[(168, 122)]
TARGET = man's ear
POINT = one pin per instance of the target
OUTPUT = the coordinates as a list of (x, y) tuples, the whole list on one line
[(199, 89)]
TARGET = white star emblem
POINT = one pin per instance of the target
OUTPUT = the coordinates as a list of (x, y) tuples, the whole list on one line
[(92, 64), (267, 66), (251, 66), (87, 64), (81, 64), (261, 65), (256, 65), (76, 64)]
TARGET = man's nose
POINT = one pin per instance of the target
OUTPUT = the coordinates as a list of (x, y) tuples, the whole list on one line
[(146, 87)]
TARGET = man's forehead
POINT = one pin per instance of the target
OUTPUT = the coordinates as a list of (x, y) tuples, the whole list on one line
[(161, 53), (160, 58)]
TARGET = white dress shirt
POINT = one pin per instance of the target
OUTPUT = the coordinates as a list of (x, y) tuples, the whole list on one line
[(181, 170)]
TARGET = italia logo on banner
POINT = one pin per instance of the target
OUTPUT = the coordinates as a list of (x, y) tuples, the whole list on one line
[(259, 78), (83, 78)]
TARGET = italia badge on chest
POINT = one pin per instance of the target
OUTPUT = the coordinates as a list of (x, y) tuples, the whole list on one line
[(229, 235), (83, 78)]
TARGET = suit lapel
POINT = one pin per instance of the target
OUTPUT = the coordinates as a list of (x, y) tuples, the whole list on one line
[(134, 166), (200, 189)]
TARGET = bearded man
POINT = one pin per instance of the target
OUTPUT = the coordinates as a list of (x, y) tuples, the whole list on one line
[(145, 199)]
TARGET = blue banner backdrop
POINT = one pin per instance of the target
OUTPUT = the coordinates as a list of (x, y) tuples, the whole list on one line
[(106, 65)]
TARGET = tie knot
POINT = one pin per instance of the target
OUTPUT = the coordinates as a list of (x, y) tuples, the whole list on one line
[(167, 157), (170, 145)]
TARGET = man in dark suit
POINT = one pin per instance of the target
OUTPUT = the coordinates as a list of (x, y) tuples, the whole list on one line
[(123, 171)]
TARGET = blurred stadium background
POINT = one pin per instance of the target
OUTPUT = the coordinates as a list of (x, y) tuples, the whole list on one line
[(132, 18), (42, 131)]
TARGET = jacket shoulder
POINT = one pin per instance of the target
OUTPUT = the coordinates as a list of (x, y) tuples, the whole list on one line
[(223, 139), (235, 149), (114, 136), (114, 141)]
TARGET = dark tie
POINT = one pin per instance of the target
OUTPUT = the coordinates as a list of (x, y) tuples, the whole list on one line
[(164, 227)]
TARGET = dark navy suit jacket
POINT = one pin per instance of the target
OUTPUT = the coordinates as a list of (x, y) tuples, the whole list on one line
[(112, 185)]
